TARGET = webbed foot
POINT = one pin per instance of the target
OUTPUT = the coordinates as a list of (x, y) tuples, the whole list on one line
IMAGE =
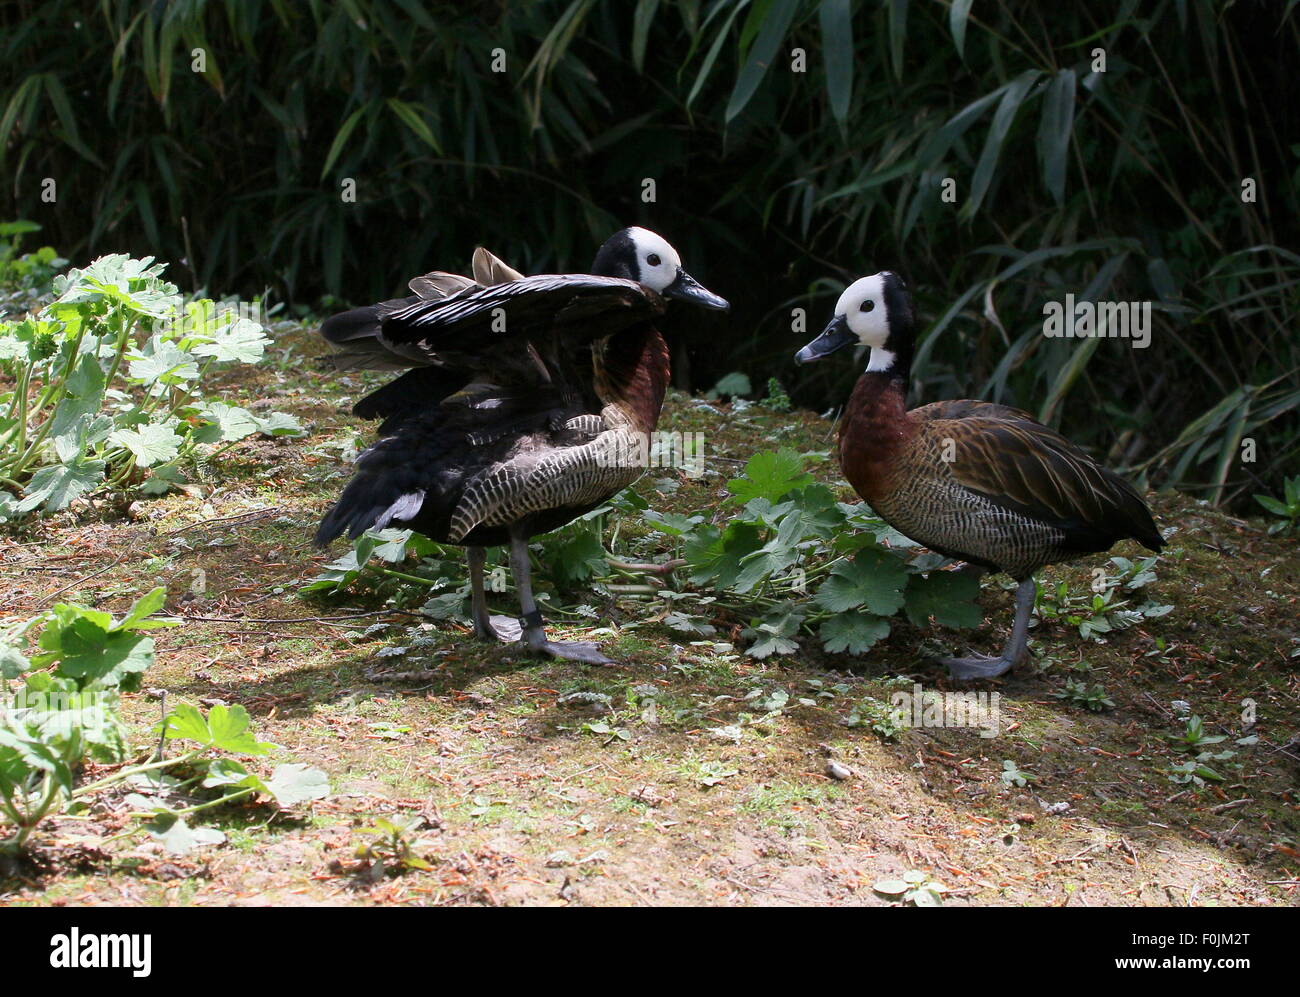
[(587, 652), (505, 629), (977, 666)]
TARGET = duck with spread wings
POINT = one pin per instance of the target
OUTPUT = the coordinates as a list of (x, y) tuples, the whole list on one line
[(524, 398)]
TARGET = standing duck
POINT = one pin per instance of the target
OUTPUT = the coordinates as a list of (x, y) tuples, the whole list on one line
[(980, 482), (525, 398)]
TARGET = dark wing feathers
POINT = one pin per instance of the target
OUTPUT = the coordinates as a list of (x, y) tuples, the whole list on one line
[(460, 329), (426, 456), (359, 343), (966, 408), (529, 306), (402, 397), (472, 392), (1024, 466)]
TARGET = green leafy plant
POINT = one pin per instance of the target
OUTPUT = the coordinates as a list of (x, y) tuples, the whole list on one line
[(777, 400), (710, 774), (107, 391), (792, 561), (64, 713), (1193, 772), (1194, 739), (1115, 607), (884, 719), (916, 888), (65, 708), (1092, 698), (26, 275), (1287, 509), (392, 844), (1013, 775)]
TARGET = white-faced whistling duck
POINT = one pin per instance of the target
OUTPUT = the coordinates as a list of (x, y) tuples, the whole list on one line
[(521, 389), (983, 483)]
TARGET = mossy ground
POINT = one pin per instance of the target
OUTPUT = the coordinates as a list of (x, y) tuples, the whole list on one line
[(522, 799)]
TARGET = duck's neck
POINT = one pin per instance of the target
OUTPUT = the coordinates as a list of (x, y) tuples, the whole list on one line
[(632, 371), (876, 425), (896, 363)]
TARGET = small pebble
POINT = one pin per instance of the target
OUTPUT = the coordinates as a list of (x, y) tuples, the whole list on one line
[(837, 770)]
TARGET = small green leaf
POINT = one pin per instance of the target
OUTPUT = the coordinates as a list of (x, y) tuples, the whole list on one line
[(227, 423), (161, 362), (674, 524), (948, 596), (224, 727), (146, 605), (770, 475), (296, 783), (13, 662), (243, 341), (874, 578), (56, 486), (153, 443), (178, 838), (853, 633), (278, 424)]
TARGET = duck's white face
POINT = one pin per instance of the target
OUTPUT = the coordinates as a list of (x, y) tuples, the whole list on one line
[(863, 307), (862, 318), (657, 262)]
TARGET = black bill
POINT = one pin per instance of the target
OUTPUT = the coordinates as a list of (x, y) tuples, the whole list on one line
[(687, 288), (836, 336)]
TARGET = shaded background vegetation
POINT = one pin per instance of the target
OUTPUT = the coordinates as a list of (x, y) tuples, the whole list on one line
[(777, 186)]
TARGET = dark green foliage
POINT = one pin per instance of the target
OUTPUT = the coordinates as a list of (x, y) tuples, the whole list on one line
[(776, 185)]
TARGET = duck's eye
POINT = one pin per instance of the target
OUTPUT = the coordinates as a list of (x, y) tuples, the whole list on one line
[(868, 305), (653, 259)]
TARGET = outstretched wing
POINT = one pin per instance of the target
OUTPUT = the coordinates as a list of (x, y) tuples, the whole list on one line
[(477, 326), (483, 317)]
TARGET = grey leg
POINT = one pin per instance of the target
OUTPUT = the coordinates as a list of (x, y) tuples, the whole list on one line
[(534, 635), (982, 666), (486, 626)]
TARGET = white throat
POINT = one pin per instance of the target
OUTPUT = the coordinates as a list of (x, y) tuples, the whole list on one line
[(881, 361)]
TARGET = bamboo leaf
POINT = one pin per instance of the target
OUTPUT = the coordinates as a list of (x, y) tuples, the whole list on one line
[(410, 116), (641, 21), (775, 23), (340, 140), (1003, 118), (1054, 130), (897, 34), (958, 15), (1229, 452), (712, 56), (837, 45), (63, 111)]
